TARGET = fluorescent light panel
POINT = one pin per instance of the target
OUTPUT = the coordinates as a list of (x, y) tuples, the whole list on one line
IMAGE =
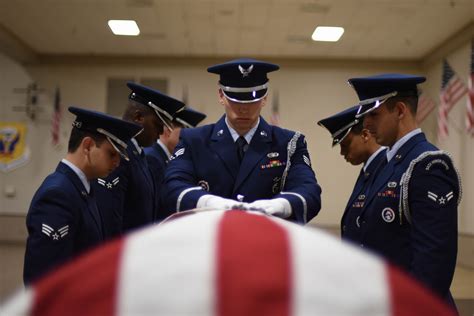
[(327, 33), (124, 27)]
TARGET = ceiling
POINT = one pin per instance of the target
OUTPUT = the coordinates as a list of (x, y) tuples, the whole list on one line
[(374, 29)]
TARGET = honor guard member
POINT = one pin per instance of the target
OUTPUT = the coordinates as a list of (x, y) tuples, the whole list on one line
[(63, 220), (127, 196), (159, 154), (358, 147), (410, 212), (241, 160)]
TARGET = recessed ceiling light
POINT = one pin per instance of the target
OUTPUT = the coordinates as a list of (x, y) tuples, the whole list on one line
[(327, 33), (124, 27)]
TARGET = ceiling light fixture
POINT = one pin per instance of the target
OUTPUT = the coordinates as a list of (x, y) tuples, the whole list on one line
[(124, 27), (327, 33)]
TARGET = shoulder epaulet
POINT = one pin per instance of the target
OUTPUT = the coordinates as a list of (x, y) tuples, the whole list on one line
[(429, 160)]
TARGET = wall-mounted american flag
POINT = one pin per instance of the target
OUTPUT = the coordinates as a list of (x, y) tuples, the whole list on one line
[(56, 119), (452, 90), (275, 115), (470, 99), (425, 106)]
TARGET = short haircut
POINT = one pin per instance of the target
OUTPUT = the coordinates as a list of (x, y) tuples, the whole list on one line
[(411, 101), (77, 135), (177, 124), (357, 128)]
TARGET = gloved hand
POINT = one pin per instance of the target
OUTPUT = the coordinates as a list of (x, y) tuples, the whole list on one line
[(218, 202), (279, 207)]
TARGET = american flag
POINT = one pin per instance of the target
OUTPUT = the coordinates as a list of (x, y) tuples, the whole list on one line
[(56, 119), (452, 90), (470, 99), (275, 268), (275, 117), (425, 106)]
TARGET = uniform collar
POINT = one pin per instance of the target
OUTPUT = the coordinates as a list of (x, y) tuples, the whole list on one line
[(79, 173), (372, 157), (248, 136), (392, 151), (165, 149)]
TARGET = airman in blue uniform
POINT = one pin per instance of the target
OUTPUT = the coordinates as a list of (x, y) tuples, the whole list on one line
[(242, 161), (358, 147), (159, 154), (127, 198), (410, 211), (63, 220)]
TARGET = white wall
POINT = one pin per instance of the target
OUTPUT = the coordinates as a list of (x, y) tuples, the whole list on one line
[(459, 144)]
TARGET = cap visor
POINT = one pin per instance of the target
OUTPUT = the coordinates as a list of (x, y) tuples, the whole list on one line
[(246, 97)]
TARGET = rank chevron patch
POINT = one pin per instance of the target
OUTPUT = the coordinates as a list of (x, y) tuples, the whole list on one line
[(49, 231)]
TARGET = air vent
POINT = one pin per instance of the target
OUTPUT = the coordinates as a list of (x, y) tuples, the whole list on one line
[(139, 3), (298, 39), (226, 12), (314, 8)]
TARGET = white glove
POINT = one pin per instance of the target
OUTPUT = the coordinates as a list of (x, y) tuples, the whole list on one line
[(218, 202), (279, 207)]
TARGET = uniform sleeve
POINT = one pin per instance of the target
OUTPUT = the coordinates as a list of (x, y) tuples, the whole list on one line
[(110, 198), (180, 191), (52, 224), (434, 191), (301, 188)]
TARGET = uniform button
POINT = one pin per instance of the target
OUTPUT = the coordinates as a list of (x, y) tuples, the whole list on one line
[(344, 228), (361, 245)]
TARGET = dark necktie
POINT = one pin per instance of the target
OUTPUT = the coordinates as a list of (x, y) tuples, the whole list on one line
[(241, 147)]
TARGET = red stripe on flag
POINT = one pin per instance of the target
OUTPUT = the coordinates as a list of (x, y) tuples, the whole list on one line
[(87, 286), (56, 119), (470, 107), (408, 297), (253, 266), (425, 106), (453, 93)]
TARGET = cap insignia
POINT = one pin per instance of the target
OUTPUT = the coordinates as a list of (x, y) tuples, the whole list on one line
[(245, 72)]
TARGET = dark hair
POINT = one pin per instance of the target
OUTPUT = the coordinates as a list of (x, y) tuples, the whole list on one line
[(177, 124), (411, 101), (357, 129), (77, 135)]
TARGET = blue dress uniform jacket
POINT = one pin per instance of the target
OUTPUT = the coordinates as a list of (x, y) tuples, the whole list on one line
[(350, 218), (157, 160), (126, 198), (206, 162), (410, 214), (62, 222)]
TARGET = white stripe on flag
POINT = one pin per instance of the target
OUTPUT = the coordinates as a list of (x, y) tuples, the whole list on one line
[(327, 276), (184, 268), (21, 305), (470, 107)]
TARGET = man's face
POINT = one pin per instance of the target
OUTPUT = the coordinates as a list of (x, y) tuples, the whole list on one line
[(152, 127), (242, 116), (383, 124), (174, 137), (354, 148), (103, 159)]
